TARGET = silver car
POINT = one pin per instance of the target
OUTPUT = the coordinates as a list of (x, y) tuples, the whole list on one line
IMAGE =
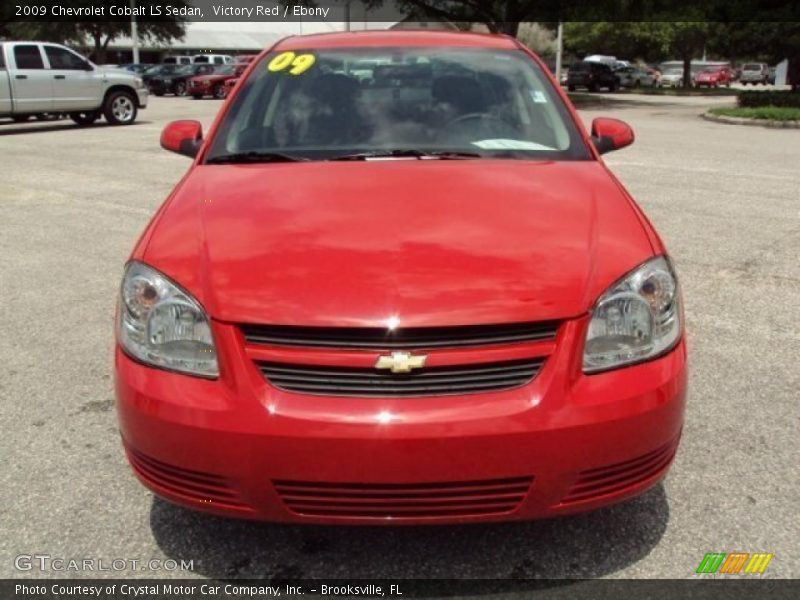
[(754, 73), (635, 77), (671, 78)]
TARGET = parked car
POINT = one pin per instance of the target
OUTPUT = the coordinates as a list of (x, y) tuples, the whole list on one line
[(212, 59), (213, 84), (592, 75), (230, 84), (40, 79), (177, 59), (671, 78), (175, 81), (243, 61), (755, 73), (635, 77), (327, 322), (714, 77)]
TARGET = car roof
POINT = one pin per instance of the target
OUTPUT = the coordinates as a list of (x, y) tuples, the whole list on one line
[(362, 39)]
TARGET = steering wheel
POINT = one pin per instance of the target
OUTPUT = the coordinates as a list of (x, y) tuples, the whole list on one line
[(502, 127)]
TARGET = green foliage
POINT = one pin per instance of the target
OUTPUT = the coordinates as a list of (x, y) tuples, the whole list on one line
[(768, 113), (769, 98)]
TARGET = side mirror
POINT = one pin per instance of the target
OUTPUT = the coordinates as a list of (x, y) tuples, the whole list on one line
[(183, 137), (611, 134)]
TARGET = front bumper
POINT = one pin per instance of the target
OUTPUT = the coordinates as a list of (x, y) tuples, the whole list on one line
[(142, 95), (563, 443)]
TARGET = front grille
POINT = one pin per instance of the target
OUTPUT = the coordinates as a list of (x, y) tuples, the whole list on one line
[(348, 381), (194, 485), (404, 500), (611, 479), (417, 338)]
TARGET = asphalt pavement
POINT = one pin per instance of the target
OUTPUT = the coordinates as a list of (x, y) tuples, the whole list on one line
[(726, 199)]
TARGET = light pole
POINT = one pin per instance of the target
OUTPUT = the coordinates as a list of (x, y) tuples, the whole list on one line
[(134, 33), (559, 50)]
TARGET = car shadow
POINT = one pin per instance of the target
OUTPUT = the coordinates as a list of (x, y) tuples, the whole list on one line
[(588, 545), (12, 128)]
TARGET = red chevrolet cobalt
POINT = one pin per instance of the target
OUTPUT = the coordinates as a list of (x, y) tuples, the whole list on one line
[(399, 285)]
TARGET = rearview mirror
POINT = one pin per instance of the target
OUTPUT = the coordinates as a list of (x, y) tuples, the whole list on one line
[(183, 137), (611, 134)]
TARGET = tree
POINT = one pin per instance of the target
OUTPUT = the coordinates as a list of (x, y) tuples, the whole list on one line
[(99, 33), (648, 40), (499, 16)]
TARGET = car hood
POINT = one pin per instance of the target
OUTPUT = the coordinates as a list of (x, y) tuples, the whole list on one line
[(427, 242)]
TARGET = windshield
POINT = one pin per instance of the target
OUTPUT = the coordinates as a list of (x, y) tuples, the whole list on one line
[(753, 67), (335, 103)]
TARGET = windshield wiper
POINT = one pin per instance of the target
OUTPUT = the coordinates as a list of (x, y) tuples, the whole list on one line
[(254, 157), (421, 154)]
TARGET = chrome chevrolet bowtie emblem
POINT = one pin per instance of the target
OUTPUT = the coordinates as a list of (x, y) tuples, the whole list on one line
[(400, 362)]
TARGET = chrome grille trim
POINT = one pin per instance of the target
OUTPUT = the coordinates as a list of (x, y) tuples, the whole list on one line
[(430, 381)]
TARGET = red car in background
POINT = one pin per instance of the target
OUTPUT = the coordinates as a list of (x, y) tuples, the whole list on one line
[(367, 306), (213, 84), (243, 60), (714, 77)]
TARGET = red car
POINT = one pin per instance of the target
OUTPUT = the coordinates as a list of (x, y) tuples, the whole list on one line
[(213, 84), (399, 285), (714, 77), (229, 85)]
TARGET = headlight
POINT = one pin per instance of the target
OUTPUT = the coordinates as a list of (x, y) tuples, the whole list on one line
[(637, 319), (162, 325), (137, 81)]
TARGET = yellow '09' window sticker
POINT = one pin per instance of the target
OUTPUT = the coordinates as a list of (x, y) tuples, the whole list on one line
[(294, 64)]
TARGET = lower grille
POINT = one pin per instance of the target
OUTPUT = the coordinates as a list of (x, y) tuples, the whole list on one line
[(404, 500), (201, 487), (615, 478), (346, 381)]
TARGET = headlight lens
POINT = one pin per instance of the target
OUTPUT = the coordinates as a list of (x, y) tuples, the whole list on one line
[(637, 319), (162, 325), (137, 81)]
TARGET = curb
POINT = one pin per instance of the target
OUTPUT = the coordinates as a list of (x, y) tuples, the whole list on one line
[(751, 122)]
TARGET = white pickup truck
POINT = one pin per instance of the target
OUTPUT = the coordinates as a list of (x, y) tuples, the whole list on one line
[(38, 78)]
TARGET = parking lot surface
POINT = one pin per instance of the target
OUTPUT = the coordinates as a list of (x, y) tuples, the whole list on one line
[(725, 198)]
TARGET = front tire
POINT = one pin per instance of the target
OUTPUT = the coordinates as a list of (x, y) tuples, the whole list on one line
[(571, 88), (84, 119), (219, 91), (120, 108), (20, 118), (180, 88)]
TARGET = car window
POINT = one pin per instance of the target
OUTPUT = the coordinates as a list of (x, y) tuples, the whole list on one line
[(61, 58), (2, 57), (28, 57), (218, 60), (200, 59), (753, 67), (333, 102)]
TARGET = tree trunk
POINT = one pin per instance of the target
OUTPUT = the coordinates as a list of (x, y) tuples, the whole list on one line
[(687, 71), (99, 54), (508, 27)]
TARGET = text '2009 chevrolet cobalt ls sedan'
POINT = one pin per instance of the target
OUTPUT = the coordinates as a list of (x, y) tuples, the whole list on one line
[(399, 285)]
